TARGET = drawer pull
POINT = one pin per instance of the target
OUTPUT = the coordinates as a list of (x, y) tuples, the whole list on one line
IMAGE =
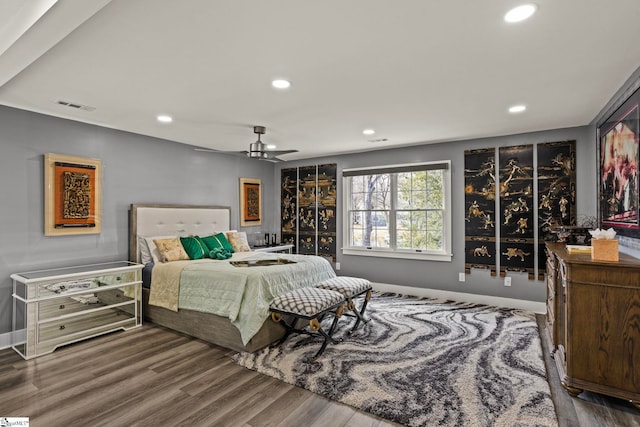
[(61, 306), (62, 327)]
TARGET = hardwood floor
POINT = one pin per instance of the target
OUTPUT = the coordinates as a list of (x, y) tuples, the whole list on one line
[(153, 376)]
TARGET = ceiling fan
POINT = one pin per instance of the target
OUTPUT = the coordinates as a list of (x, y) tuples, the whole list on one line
[(258, 150)]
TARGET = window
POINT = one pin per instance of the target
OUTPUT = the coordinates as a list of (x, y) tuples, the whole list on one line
[(400, 211)]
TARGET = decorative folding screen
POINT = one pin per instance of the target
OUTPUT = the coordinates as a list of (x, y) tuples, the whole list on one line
[(479, 200), (516, 217), (556, 192), (516, 207), (308, 209)]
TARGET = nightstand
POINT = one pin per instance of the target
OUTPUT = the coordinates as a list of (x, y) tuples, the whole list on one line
[(278, 248)]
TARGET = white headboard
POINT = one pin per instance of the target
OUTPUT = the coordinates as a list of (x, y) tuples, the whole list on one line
[(181, 220)]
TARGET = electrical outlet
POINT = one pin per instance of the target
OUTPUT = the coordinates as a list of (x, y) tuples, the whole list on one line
[(461, 277), (507, 281), (337, 266)]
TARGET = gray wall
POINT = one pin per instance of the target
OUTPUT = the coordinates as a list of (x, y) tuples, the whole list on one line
[(136, 169), (444, 275), (139, 169)]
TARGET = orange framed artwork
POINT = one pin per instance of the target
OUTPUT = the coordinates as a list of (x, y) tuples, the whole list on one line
[(73, 195), (250, 202)]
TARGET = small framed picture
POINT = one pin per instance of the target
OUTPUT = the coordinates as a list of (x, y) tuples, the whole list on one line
[(250, 202)]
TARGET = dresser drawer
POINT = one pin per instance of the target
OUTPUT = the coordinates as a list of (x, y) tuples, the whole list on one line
[(65, 305), (63, 330)]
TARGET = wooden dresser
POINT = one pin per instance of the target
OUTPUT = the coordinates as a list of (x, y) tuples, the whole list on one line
[(593, 322)]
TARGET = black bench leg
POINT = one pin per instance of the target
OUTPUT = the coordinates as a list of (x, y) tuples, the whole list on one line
[(314, 326), (360, 314), (328, 336)]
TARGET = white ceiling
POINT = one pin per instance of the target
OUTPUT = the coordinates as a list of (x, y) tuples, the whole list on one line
[(417, 71)]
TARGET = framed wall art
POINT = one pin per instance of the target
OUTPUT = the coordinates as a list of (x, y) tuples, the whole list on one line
[(618, 169), (250, 202), (72, 196)]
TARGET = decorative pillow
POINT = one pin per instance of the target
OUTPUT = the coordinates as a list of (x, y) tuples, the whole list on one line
[(171, 249), (154, 253), (238, 240), (143, 248), (217, 241), (220, 253), (194, 247)]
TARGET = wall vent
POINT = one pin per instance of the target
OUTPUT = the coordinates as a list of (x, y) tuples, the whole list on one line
[(76, 105)]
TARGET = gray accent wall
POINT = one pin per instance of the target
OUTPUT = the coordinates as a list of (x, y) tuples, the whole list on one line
[(444, 275), (135, 168)]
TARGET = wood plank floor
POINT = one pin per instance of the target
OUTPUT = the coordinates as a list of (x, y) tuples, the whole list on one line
[(152, 376)]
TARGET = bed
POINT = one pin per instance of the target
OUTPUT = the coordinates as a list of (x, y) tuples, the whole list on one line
[(238, 319)]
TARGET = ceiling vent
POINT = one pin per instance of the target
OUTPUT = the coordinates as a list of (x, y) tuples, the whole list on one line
[(76, 105)]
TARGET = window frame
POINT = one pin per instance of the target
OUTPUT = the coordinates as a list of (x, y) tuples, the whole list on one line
[(392, 251)]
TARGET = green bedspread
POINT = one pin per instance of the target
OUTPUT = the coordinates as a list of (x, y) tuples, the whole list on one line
[(243, 294)]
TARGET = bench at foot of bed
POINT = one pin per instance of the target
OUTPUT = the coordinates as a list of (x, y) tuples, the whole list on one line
[(311, 304), (350, 288)]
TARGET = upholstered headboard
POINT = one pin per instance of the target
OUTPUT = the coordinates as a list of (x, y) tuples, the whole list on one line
[(181, 220)]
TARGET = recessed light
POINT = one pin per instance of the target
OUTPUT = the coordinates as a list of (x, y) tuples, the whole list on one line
[(281, 84), (163, 118), (271, 147), (520, 13), (368, 132), (517, 109)]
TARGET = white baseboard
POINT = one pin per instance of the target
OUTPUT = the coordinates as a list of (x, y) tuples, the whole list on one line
[(536, 307), (9, 339)]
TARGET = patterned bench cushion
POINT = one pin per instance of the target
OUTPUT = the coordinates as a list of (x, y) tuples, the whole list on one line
[(307, 302), (347, 286)]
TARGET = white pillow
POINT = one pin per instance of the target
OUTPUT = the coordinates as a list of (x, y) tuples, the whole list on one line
[(143, 249)]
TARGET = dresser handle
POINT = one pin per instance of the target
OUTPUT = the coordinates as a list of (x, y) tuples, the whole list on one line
[(61, 306), (62, 327)]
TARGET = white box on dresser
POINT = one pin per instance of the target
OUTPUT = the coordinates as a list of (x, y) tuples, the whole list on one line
[(60, 306)]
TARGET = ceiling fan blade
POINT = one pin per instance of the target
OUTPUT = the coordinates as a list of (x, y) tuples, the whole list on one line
[(206, 150), (233, 153), (257, 150), (279, 153)]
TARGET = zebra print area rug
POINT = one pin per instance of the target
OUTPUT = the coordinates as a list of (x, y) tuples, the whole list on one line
[(425, 362)]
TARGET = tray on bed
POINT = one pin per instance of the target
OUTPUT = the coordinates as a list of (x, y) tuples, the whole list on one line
[(261, 262)]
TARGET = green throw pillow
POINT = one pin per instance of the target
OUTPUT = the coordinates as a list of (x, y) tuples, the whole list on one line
[(194, 247), (217, 241), (220, 253)]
